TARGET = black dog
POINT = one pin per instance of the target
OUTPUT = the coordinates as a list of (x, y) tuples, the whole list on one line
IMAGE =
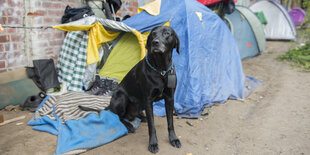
[(152, 79)]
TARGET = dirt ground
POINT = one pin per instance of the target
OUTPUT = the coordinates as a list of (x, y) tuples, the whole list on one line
[(273, 120)]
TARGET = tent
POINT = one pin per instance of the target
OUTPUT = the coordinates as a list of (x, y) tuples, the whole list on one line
[(280, 25), (248, 32), (298, 15), (245, 3), (208, 68)]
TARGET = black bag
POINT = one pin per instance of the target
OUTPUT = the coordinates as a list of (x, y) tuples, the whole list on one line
[(229, 8), (73, 14), (116, 4), (43, 73)]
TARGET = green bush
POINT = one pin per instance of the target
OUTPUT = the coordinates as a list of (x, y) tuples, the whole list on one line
[(299, 57)]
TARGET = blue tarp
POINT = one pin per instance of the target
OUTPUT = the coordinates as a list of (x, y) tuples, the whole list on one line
[(208, 68), (92, 131)]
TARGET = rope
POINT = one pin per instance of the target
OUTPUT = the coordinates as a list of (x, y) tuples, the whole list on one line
[(31, 27)]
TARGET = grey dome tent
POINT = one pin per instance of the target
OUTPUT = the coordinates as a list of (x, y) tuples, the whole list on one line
[(247, 31), (280, 25), (245, 3)]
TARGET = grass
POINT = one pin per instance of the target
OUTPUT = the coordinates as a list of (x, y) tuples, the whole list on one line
[(299, 56), (304, 33)]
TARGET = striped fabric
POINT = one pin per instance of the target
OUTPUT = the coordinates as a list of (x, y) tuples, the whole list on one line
[(71, 63), (66, 106)]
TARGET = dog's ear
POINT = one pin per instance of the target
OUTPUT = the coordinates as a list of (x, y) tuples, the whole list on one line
[(148, 41), (177, 42)]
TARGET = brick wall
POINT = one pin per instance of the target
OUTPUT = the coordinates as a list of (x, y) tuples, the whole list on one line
[(129, 7), (19, 46)]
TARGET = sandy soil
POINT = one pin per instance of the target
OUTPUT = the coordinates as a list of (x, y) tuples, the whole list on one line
[(274, 119)]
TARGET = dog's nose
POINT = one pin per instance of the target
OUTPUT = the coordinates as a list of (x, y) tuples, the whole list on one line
[(155, 42)]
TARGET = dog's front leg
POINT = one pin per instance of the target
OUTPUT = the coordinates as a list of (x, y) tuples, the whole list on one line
[(169, 105), (153, 144)]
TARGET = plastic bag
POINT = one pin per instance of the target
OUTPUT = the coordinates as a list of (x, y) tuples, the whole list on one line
[(43, 73), (73, 14)]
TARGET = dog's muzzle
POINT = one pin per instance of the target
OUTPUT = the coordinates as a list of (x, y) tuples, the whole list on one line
[(157, 46)]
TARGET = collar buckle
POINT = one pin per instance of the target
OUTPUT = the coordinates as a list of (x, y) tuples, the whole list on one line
[(163, 73)]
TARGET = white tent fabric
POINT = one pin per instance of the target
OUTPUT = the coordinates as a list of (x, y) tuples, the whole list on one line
[(280, 25), (245, 3)]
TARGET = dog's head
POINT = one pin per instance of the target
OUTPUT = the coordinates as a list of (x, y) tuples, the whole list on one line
[(160, 44), (162, 39)]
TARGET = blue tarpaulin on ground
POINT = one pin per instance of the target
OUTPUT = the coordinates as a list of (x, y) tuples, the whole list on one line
[(208, 68), (89, 132)]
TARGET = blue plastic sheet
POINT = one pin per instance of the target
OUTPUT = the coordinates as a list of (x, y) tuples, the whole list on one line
[(208, 68), (89, 132)]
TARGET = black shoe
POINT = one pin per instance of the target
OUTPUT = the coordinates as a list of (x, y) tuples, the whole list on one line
[(32, 102), (97, 85)]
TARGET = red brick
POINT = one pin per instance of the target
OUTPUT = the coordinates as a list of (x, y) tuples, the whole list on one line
[(2, 64), (8, 12), (2, 2), (19, 46), (131, 9), (3, 20), (12, 55), (4, 38), (2, 49), (16, 38), (47, 5), (11, 30), (55, 42), (14, 3), (14, 20), (11, 47), (56, 5), (58, 35), (55, 13), (8, 47), (48, 20), (134, 4), (63, 6), (11, 3), (19, 12), (3, 55), (47, 35), (57, 20)]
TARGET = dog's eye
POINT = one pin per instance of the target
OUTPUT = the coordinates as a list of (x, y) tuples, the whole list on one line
[(166, 33), (154, 34)]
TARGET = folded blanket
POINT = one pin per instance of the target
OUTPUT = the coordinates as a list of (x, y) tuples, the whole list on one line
[(81, 129), (66, 106)]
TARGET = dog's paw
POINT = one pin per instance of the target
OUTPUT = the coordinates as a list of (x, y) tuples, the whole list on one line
[(131, 130), (129, 126), (176, 143), (143, 119), (153, 148)]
